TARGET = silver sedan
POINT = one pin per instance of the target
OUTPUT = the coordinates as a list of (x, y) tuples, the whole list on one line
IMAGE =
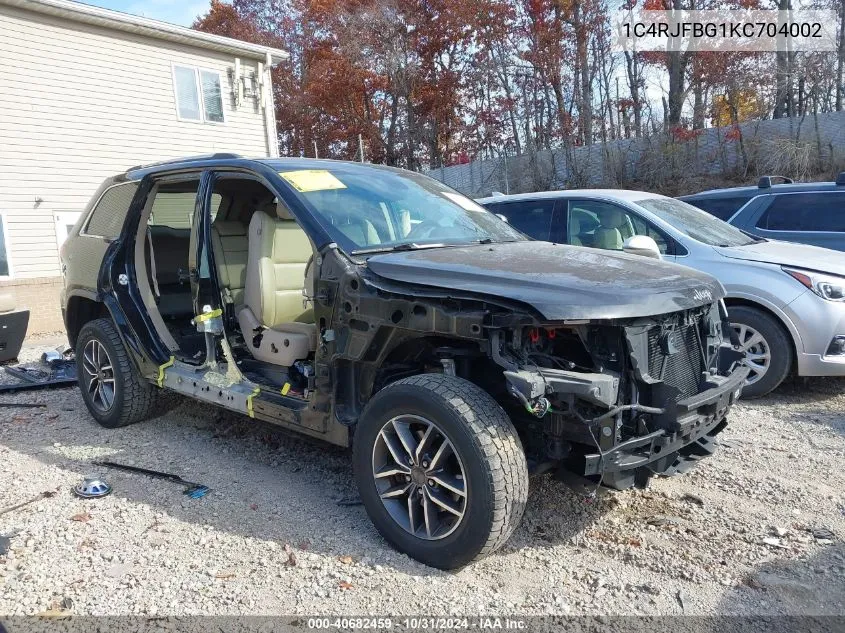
[(786, 301)]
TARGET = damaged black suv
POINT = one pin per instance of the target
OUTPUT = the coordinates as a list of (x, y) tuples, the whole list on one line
[(376, 308)]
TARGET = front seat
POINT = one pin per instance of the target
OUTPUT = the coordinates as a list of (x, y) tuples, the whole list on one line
[(231, 251), (575, 231), (609, 233), (274, 323)]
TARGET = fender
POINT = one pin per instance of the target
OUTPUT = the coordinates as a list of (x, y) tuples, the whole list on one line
[(774, 309)]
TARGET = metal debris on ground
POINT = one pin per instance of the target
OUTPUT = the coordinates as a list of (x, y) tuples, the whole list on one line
[(693, 499), (5, 544), (22, 405), (92, 488), (56, 369), (192, 489), (44, 495)]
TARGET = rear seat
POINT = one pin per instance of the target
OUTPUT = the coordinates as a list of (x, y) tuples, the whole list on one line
[(170, 247), (230, 243)]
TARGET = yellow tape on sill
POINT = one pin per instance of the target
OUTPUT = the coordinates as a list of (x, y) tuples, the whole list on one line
[(208, 315), (249, 402), (161, 368)]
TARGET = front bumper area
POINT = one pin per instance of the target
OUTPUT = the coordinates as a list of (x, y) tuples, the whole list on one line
[(700, 418), (817, 321)]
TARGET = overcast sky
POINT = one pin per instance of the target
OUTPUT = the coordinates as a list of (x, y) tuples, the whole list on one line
[(182, 12)]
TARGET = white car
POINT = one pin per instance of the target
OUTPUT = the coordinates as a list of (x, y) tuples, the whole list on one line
[(786, 301)]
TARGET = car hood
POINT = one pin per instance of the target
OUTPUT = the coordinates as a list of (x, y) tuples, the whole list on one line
[(559, 281), (789, 254)]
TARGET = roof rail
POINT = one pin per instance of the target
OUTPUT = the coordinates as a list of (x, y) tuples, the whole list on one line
[(187, 159), (840, 179), (765, 182)]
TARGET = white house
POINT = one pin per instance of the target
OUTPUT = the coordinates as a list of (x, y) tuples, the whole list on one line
[(85, 93)]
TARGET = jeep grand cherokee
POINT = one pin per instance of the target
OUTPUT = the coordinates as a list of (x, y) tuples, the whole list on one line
[(376, 308)]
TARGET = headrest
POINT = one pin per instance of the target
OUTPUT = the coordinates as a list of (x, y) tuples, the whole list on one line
[(228, 228), (277, 209), (611, 218)]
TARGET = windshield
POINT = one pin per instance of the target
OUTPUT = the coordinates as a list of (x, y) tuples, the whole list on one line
[(698, 224), (372, 209)]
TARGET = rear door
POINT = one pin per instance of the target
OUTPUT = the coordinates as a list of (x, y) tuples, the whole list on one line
[(816, 218), (538, 219)]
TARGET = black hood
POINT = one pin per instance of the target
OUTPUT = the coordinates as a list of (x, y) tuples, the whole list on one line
[(559, 281)]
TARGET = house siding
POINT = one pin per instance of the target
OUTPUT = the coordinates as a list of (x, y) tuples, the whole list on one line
[(79, 103)]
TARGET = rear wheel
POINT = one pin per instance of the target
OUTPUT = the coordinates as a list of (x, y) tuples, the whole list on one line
[(767, 347), (113, 390), (440, 469)]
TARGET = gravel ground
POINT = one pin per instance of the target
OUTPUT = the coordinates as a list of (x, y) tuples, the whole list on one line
[(735, 536)]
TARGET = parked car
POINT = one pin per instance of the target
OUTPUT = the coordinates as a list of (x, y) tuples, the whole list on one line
[(808, 212), (786, 301), (374, 307)]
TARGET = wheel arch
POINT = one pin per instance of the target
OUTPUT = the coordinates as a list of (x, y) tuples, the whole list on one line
[(780, 318), (80, 310)]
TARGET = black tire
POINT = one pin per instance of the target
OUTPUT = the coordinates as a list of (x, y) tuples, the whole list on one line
[(776, 339), (496, 473), (134, 398)]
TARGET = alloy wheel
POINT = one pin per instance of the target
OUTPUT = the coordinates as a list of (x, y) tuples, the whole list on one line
[(758, 356), (98, 375), (419, 477)]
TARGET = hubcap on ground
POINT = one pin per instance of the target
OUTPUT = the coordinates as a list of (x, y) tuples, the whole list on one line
[(419, 477), (758, 356), (98, 374)]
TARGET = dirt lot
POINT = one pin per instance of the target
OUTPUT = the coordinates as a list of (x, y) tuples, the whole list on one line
[(757, 529)]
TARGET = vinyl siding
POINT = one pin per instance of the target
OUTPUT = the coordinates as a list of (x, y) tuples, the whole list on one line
[(79, 103)]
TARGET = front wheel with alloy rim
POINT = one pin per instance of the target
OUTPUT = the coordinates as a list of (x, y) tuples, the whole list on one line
[(440, 469), (113, 390), (767, 347)]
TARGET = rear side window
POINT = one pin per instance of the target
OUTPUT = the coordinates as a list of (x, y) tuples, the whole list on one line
[(805, 212), (532, 217), (108, 216), (722, 208)]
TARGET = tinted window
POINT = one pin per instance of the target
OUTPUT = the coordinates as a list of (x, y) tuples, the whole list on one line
[(534, 218), (805, 212), (4, 257), (107, 218), (722, 208)]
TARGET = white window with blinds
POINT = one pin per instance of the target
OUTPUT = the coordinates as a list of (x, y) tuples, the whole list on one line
[(199, 94)]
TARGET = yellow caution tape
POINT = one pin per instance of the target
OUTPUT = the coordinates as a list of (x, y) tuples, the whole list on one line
[(161, 369), (208, 315), (249, 402), (285, 389)]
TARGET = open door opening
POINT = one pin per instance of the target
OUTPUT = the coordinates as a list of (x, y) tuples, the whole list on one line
[(264, 270), (163, 242)]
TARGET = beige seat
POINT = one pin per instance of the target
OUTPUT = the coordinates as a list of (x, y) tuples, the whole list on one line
[(231, 247), (613, 229), (575, 231), (360, 231), (276, 327)]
